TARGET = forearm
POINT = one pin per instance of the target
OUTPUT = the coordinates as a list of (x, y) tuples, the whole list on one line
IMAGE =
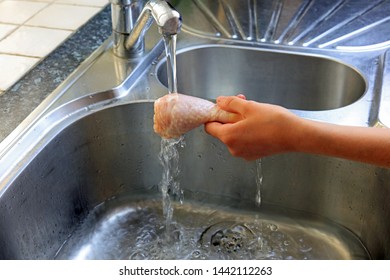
[(371, 145)]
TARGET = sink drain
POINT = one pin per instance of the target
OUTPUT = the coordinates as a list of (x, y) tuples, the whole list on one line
[(227, 237)]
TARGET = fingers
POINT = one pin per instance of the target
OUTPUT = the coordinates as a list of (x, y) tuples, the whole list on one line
[(230, 113), (233, 104), (214, 129), (242, 96), (227, 117), (225, 133)]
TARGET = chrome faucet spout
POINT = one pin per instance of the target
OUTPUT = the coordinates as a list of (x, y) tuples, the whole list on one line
[(129, 33)]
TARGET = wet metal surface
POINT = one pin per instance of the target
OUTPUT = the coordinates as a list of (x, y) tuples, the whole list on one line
[(91, 140)]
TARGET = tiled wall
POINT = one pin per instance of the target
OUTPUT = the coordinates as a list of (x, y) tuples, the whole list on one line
[(31, 29)]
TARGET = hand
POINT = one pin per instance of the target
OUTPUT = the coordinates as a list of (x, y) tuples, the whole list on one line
[(261, 130)]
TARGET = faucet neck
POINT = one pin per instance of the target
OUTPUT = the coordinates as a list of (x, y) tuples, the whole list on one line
[(131, 19)]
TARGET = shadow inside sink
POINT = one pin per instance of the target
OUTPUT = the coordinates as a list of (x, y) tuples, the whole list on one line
[(294, 81), (92, 192)]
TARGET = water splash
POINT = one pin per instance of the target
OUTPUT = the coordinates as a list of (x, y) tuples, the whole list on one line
[(135, 230)]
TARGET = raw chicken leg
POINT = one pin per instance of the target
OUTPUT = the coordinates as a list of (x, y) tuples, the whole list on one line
[(176, 114)]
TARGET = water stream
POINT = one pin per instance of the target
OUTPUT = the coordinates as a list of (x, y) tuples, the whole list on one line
[(169, 184), (169, 153), (259, 181), (170, 53)]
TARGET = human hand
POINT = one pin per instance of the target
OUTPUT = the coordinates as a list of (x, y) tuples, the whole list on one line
[(261, 130)]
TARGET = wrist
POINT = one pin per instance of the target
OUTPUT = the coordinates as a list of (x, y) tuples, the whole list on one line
[(298, 136)]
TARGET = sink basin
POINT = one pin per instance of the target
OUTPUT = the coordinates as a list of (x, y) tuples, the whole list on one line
[(295, 81), (79, 178), (91, 192)]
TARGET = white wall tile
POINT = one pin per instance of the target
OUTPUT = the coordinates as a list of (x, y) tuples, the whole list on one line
[(50, 22), (13, 68), (18, 12), (63, 16), (33, 41), (47, 1), (96, 3), (5, 29)]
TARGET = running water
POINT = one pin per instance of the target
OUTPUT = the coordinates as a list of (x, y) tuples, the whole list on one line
[(170, 52), (169, 184), (259, 181), (169, 153)]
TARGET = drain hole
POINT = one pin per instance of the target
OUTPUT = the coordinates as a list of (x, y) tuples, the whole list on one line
[(227, 237)]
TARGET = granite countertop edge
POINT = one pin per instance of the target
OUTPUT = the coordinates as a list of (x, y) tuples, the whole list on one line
[(25, 95)]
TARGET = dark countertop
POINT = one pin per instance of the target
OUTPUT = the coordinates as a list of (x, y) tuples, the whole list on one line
[(23, 97)]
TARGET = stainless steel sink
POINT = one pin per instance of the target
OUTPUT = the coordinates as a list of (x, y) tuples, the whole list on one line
[(93, 187), (295, 81), (79, 177)]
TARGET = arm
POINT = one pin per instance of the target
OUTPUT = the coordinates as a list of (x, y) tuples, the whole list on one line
[(266, 129)]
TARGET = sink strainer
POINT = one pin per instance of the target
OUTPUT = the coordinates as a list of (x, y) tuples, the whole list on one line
[(227, 237)]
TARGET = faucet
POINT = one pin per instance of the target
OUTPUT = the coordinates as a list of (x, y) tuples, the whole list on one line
[(132, 18)]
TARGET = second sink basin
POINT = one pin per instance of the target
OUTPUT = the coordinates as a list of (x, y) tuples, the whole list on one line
[(295, 81)]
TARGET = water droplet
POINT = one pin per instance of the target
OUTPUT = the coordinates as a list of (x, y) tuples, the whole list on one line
[(196, 254), (273, 227)]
